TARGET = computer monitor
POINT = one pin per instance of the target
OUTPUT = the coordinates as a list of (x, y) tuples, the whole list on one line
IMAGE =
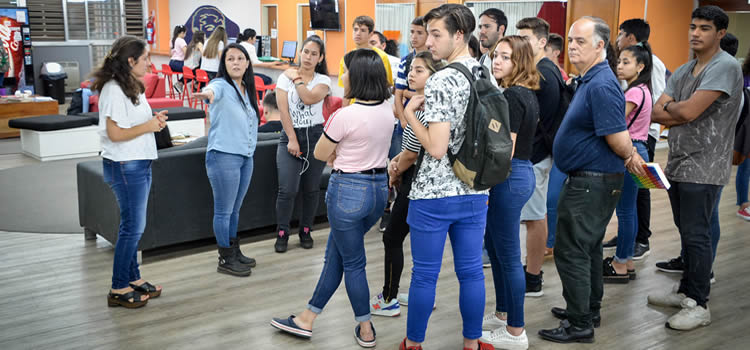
[(289, 50)]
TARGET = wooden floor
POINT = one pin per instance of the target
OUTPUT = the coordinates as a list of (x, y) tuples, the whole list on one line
[(53, 287)]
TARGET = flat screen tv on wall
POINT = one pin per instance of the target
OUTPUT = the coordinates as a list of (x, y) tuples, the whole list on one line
[(324, 15)]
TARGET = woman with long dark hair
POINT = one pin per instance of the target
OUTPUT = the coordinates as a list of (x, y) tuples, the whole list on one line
[(210, 60), (356, 141), (299, 94), (126, 127), (232, 137), (514, 69), (195, 50), (634, 67)]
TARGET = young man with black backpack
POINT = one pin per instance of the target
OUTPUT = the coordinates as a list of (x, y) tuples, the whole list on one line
[(441, 203), (536, 31)]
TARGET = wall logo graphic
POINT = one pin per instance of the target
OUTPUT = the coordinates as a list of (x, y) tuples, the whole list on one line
[(207, 18)]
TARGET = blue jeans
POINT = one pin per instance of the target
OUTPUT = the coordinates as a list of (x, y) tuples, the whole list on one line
[(503, 242), (398, 135), (463, 218), (556, 182), (355, 202), (742, 181), (229, 175), (627, 216), (131, 182)]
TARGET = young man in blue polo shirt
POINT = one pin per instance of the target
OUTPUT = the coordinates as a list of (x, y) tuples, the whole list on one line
[(590, 147)]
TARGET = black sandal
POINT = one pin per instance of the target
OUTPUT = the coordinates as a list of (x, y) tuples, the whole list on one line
[(611, 276), (117, 299), (147, 288)]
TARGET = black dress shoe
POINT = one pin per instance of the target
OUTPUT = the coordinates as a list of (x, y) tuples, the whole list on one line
[(562, 314), (568, 333)]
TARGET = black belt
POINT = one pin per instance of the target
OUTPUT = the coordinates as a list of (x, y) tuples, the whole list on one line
[(372, 171), (592, 174), (639, 141)]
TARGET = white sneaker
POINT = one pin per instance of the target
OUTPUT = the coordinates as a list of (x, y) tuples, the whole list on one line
[(502, 339), (491, 322), (690, 317), (403, 299), (672, 298), (378, 306)]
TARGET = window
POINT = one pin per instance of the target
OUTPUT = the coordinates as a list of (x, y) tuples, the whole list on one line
[(46, 20), (105, 20)]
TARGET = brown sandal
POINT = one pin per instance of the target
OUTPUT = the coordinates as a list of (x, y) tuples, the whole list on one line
[(116, 299), (147, 288)]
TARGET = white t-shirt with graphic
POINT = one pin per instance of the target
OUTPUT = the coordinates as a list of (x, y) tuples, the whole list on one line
[(303, 115)]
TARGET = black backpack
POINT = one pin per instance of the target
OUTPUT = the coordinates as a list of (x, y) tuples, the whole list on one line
[(485, 155), (76, 103)]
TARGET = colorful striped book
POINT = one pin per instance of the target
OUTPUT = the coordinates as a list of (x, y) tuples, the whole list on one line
[(654, 179)]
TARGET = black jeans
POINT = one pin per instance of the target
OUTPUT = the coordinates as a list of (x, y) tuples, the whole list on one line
[(394, 235), (584, 209), (692, 208), (290, 179), (643, 202)]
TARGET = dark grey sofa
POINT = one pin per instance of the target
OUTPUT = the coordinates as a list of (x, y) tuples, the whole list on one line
[(180, 204)]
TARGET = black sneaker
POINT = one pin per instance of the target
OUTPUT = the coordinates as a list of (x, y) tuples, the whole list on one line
[(534, 285), (384, 221), (611, 244), (305, 239), (282, 240), (675, 265), (641, 251)]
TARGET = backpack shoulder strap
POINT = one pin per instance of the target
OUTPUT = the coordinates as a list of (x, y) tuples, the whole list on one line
[(461, 68), (638, 111)]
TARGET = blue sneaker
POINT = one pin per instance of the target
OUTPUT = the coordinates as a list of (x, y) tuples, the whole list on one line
[(378, 306)]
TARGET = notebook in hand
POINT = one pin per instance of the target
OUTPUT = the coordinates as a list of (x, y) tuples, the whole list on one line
[(655, 177)]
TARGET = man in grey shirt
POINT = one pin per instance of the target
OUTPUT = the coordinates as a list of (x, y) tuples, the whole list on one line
[(701, 104)]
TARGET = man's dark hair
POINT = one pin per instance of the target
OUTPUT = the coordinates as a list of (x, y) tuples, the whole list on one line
[(457, 18), (638, 27), (367, 77), (538, 26), (391, 48), (714, 14), (270, 101), (498, 16), (366, 21), (419, 21), (474, 47), (730, 44), (381, 37), (555, 41)]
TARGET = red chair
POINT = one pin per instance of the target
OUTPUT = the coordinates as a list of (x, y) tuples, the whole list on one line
[(187, 76), (261, 88), (168, 73), (154, 70), (201, 80)]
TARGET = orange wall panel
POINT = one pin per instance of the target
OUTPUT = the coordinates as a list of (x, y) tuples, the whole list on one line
[(161, 23), (337, 42), (630, 9), (670, 21)]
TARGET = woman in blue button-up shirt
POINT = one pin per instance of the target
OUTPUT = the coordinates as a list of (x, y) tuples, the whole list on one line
[(233, 113)]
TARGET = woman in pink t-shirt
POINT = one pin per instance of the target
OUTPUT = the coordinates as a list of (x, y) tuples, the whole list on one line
[(634, 67), (355, 142)]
